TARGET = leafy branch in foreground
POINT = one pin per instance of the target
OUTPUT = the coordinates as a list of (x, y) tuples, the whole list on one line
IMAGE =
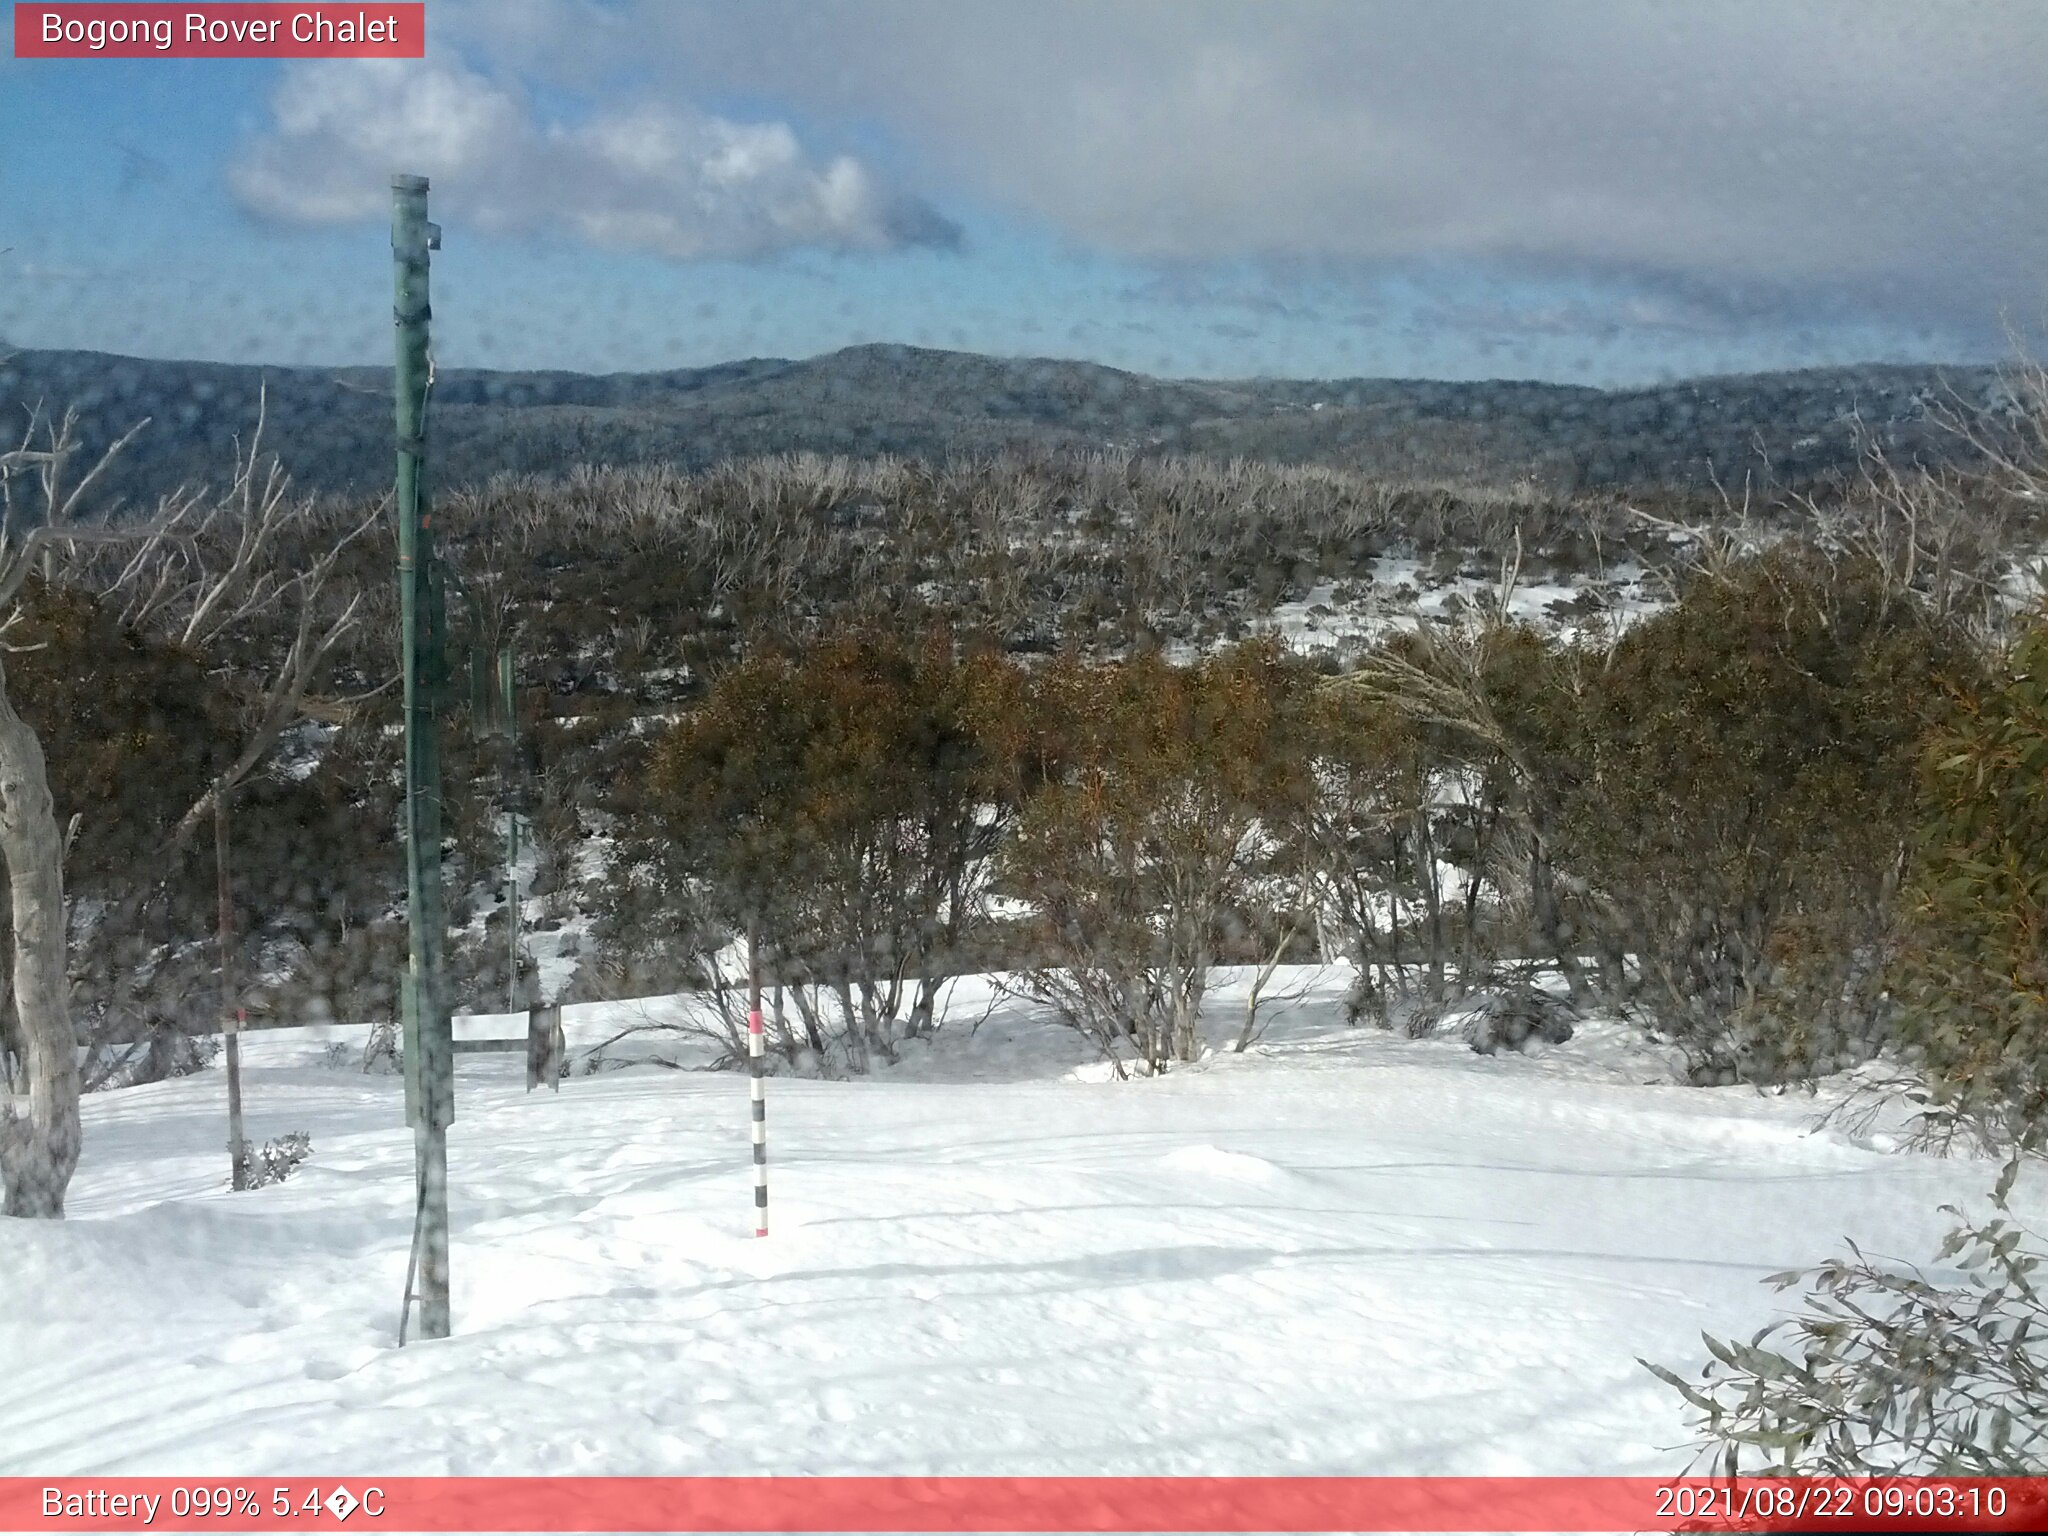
[(1890, 1373)]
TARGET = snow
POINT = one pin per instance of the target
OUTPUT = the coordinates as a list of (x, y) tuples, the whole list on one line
[(1347, 618), (301, 748), (1341, 1252), (556, 930)]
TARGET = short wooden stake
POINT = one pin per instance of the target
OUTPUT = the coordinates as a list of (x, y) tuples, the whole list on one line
[(547, 1052)]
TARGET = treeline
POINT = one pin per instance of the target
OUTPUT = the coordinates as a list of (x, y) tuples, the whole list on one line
[(623, 592), (1786, 825), (624, 589), (334, 425), (628, 585), (892, 721)]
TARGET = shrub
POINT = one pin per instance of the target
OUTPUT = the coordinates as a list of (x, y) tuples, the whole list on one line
[(1137, 843), (1891, 1373), (277, 1160), (1737, 787), (840, 806), (1974, 973), (1421, 838)]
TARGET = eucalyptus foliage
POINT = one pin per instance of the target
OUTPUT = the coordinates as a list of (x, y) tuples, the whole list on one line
[(1889, 1372)]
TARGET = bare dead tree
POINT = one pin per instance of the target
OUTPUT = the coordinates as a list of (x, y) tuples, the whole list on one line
[(1935, 543), (1712, 548), (1940, 537), (202, 575), (2013, 443)]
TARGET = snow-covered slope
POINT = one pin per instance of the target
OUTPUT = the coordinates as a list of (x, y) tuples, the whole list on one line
[(1341, 1252)]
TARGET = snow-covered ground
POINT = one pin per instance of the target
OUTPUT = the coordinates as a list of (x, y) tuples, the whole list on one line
[(1341, 1252), (1346, 619)]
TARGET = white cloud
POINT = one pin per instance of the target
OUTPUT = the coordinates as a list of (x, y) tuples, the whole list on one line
[(653, 176), (1752, 155)]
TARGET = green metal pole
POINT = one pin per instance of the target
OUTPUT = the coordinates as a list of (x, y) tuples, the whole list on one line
[(429, 1042)]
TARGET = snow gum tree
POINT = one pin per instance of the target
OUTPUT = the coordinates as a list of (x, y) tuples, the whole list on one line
[(1155, 788), (1743, 801), (1888, 1371), (39, 1142), (39, 1148), (840, 804), (1453, 748), (1426, 818)]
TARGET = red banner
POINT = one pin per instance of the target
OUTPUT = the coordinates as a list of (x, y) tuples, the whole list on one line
[(213, 30), (871, 1504)]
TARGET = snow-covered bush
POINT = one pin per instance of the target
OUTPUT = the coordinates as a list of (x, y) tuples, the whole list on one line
[(276, 1160), (1516, 1016)]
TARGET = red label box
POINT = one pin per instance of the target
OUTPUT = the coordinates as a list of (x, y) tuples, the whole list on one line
[(389, 1506), (365, 29)]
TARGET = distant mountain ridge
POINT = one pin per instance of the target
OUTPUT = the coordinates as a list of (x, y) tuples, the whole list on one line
[(332, 426)]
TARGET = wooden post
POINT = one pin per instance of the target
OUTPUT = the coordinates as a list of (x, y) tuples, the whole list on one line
[(231, 1006), (547, 1051)]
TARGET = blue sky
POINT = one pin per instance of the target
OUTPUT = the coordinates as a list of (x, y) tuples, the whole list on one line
[(1582, 191)]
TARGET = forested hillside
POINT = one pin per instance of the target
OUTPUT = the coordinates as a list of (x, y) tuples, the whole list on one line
[(332, 425)]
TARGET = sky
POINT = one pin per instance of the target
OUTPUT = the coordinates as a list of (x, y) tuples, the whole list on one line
[(1592, 191)]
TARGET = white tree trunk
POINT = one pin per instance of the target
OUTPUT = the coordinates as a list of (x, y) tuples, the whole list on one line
[(38, 1151)]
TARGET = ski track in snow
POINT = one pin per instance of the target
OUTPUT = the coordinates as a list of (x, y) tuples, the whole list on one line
[(1341, 1252)]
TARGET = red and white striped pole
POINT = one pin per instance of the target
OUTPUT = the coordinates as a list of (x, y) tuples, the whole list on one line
[(757, 1064), (757, 1068)]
